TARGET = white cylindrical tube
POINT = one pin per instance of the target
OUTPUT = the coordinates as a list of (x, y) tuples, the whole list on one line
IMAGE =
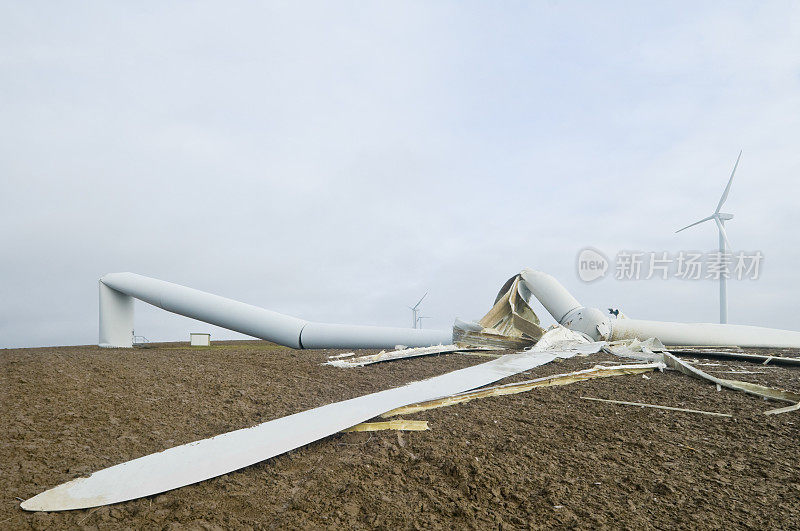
[(322, 335), (568, 311), (116, 318), (588, 321), (213, 309), (703, 334), (554, 297), (252, 320)]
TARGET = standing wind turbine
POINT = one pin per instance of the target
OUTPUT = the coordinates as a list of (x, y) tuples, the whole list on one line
[(414, 309), (720, 218), (420, 318)]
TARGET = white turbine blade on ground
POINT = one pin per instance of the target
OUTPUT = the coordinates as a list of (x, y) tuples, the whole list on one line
[(721, 228), (696, 223), (728, 188), (208, 458)]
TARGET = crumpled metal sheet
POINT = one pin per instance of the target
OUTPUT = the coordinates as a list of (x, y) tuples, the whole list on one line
[(511, 323), (470, 338), (648, 350), (560, 337)]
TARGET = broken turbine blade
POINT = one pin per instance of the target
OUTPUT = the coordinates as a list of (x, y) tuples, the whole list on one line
[(197, 461)]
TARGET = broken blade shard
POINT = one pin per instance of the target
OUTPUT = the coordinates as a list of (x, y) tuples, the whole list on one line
[(208, 458)]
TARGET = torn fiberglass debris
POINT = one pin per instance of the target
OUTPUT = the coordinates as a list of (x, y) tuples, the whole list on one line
[(398, 424), (599, 371), (348, 361), (770, 393), (509, 324)]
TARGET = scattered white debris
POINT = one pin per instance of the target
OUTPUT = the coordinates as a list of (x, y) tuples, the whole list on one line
[(599, 371), (787, 409), (641, 404), (383, 355), (745, 387), (339, 356), (399, 424), (212, 457)]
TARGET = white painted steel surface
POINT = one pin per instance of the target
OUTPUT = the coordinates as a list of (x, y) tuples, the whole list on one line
[(723, 281), (321, 335), (554, 297), (213, 309), (704, 334), (208, 458), (248, 319), (116, 318), (601, 327), (719, 219)]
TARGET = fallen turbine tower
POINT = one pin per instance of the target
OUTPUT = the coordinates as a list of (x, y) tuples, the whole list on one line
[(117, 291), (598, 326)]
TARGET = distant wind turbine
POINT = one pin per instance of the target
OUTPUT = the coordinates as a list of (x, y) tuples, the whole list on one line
[(720, 218), (420, 318), (415, 309)]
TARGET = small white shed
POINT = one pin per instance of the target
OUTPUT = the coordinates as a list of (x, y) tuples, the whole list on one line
[(200, 340)]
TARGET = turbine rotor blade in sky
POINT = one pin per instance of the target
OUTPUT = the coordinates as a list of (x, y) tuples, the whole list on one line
[(696, 223), (419, 301), (721, 228), (728, 188)]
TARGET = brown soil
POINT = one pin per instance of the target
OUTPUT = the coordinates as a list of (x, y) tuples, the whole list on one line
[(540, 459)]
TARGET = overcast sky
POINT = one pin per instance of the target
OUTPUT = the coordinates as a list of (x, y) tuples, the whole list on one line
[(334, 161)]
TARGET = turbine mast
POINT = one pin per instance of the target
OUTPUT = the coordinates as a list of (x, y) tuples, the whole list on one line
[(719, 219), (723, 287)]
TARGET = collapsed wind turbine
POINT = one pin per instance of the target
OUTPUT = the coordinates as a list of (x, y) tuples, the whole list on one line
[(200, 460), (720, 218)]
